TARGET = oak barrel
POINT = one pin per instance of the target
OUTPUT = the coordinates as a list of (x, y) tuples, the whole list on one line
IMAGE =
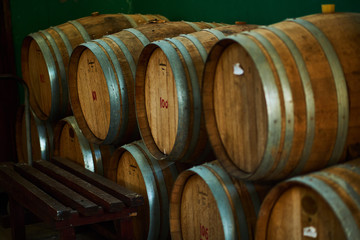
[(168, 94), (101, 80), (41, 137), (283, 100), (135, 169), (45, 57), (70, 143), (206, 203), (320, 205)]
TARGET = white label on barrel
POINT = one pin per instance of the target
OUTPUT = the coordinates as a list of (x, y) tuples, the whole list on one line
[(237, 69), (310, 232)]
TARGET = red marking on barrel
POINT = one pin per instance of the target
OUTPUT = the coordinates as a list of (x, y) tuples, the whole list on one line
[(204, 234), (163, 103), (94, 95)]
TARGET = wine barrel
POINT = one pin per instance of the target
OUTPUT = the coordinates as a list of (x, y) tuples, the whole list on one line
[(320, 205), (101, 80), (287, 96), (45, 58), (70, 143), (41, 137), (206, 203), (135, 169), (168, 94)]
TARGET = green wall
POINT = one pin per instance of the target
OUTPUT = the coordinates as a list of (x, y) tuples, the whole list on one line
[(251, 11), (33, 15)]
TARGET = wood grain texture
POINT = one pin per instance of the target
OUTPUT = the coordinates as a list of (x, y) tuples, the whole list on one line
[(242, 127), (51, 209), (296, 117), (200, 217), (293, 206), (181, 61), (207, 204), (93, 94), (161, 101), (57, 44), (40, 87), (342, 40), (70, 143), (110, 63), (285, 221), (137, 171), (41, 137), (97, 195), (64, 200), (130, 198), (130, 176), (59, 191)]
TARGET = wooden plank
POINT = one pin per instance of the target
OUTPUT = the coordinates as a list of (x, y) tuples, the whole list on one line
[(98, 196), (125, 213), (129, 197), (31, 197), (62, 193)]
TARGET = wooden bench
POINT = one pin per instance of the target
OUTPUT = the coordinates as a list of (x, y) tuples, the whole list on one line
[(66, 195)]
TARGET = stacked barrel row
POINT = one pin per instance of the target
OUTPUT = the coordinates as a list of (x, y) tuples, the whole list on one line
[(45, 58), (87, 137), (269, 103), (134, 165), (279, 101), (282, 101)]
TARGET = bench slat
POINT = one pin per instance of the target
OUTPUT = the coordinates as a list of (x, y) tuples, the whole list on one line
[(98, 196), (59, 191), (33, 198), (129, 197)]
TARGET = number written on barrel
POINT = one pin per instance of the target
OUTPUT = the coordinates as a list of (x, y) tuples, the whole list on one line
[(163, 103), (91, 65), (202, 198), (204, 234), (133, 171)]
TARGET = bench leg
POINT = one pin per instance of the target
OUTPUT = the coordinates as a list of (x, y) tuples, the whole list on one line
[(17, 220), (124, 228), (67, 233)]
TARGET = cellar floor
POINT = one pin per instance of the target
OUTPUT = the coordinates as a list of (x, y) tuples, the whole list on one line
[(38, 231), (43, 231)]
